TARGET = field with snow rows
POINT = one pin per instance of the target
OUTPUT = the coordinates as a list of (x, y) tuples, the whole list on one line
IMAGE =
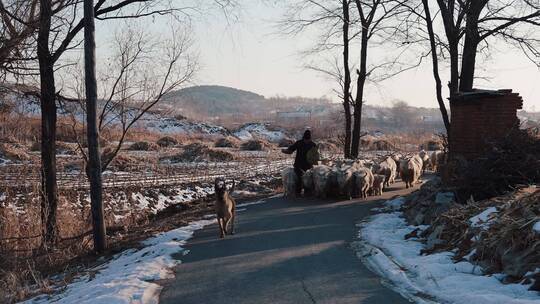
[(173, 175)]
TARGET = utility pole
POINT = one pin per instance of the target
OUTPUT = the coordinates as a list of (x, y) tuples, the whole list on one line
[(94, 160)]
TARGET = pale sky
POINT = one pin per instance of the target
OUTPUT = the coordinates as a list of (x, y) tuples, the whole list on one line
[(249, 55)]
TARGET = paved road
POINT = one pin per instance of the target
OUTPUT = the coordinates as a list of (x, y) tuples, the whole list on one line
[(285, 251)]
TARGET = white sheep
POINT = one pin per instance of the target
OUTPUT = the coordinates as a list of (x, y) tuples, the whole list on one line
[(397, 157), (307, 182), (332, 186), (344, 178), (436, 159), (320, 175), (425, 160), (388, 168), (363, 180), (290, 180), (411, 170), (378, 184)]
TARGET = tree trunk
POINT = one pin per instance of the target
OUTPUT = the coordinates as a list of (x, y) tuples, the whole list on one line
[(347, 80), (94, 161), (452, 34), (453, 85), (362, 76), (470, 46), (435, 59), (49, 196)]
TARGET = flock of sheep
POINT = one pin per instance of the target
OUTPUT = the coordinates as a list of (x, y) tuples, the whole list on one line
[(360, 178)]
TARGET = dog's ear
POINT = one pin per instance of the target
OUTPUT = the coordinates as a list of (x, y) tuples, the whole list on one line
[(216, 181), (232, 187)]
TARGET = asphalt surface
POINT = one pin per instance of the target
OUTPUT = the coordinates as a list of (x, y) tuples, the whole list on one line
[(285, 251)]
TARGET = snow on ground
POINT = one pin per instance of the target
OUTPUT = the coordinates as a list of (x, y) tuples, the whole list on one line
[(128, 277), (482, 219), (433, 278), (183, 195), (536, 227), (258, 130), (175, 126), (4, 161), (152, 121)]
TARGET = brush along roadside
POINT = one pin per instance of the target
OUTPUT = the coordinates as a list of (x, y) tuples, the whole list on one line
[(496, 234)]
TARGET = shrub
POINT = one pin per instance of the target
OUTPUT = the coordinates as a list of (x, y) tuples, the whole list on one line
[(505, 165), (377, 145), (328, 146), (224, 142), (13, 152), (167, 141), (199, 152), (431, 145), (142, 146), (253, 145), (219, 155)]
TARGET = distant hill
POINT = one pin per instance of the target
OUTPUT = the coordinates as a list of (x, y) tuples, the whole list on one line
[(214, 100)]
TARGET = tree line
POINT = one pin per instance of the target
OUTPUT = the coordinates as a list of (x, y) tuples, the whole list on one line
[(38, 38), (452, 33)]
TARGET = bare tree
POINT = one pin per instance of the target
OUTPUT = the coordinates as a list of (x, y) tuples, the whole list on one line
[(421, 14), (469, 27), (48, 124), (435, 64), (347, 78), (18, 25), (334, 22), (516, 22), (372, 14), (141, 72), (60, 23), (94, 159), (341, 25), (137, 90)]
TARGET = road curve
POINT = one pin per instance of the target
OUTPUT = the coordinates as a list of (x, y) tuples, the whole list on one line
[(285, 251)]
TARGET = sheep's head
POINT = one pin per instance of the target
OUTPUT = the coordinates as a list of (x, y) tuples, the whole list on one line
[(360, 176), (307, 179), (343, 175)]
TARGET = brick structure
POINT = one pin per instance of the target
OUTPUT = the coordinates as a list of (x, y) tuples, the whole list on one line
[(480, 117)]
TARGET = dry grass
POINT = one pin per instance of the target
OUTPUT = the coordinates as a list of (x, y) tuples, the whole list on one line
[(27, 273), (196, 152), (508, 164), (143, 146), (226, 142), (509, 245), (167, 141), (254, 145), (13, 152)]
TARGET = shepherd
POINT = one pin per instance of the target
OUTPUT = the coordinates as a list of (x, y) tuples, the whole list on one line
[(307, 155)]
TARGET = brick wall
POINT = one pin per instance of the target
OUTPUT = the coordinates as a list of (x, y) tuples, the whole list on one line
[(479, 117)]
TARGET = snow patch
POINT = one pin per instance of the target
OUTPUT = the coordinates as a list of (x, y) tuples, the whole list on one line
[(536, 227), (129, 276), (395, 204), (433, 278), (482, 219), (174, 126), (258, 130)]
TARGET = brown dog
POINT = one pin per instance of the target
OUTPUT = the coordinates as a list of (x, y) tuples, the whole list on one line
[(225, 207)]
